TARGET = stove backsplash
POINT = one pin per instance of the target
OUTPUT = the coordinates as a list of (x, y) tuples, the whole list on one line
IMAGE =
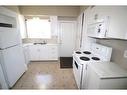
[(118, 48)]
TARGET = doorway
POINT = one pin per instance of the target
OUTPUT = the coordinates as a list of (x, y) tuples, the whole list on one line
[(67, 35)]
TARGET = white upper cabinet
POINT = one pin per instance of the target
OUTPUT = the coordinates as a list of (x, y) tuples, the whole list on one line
[(107, 22), (22, 26), (78, 32), (54, 26)]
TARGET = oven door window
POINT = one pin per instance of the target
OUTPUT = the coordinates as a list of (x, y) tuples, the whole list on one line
[(76, 65)]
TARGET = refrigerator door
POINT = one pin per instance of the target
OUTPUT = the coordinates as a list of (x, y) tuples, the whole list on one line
[(3, 84), (9, 37), (14, 63)]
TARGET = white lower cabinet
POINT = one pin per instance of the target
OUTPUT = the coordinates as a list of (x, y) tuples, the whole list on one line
[(34, 52), (52, 53), (43, 52), (105, 76), (26, 54)]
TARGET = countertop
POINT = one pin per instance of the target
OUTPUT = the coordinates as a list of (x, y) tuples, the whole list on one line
[(28, 44), (108, 70)]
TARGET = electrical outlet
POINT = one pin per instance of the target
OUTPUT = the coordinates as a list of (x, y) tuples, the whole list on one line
[(125, 54)]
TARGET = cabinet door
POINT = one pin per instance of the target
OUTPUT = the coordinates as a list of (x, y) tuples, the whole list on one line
[(43, 54), (78, 33), (26, 53), (48, 52), (117, 20), (97, 13), (53, 53), (54, 25), (22, 26), (92, 79), (34, 52), (93, 14)]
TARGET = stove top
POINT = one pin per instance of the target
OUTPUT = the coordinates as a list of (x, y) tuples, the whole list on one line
[(78, 52), (95, 58), (85, 58), (87, 52)]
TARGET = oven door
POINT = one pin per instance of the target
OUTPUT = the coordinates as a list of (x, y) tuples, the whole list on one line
[(77, 69)]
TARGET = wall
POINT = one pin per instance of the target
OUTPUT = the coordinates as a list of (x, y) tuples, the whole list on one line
[(50, 10), (83, 8), (13, 8), (64, 12), (119, 46), (65, 18)]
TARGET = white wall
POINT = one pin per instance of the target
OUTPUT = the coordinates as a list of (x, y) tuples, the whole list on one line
[(50, 10), (13, 8)]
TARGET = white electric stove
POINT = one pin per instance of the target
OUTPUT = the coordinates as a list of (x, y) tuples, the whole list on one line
[(97, 53)]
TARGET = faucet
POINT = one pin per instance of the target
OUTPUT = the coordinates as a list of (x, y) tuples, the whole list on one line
[(44, 41)]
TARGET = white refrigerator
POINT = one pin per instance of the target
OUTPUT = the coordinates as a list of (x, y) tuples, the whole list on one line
[(12, 60), (11, 55), (3, 84)]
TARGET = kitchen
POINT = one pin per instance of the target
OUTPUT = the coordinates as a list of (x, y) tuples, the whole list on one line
[(51, 59)]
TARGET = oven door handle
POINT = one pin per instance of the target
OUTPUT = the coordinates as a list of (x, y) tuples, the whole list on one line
[(76, 64)]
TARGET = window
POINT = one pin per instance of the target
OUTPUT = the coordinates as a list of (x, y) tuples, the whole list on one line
[(38, 28)]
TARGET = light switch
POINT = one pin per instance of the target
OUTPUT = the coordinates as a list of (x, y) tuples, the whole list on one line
[(125, 54)]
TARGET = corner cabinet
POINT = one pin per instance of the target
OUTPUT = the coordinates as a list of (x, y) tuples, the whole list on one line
[(117, 20), (43, 52)]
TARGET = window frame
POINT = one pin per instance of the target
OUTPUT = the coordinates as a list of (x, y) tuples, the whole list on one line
[(27, 35)]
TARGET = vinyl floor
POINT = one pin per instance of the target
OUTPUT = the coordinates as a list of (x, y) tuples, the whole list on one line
[(46, 75)]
